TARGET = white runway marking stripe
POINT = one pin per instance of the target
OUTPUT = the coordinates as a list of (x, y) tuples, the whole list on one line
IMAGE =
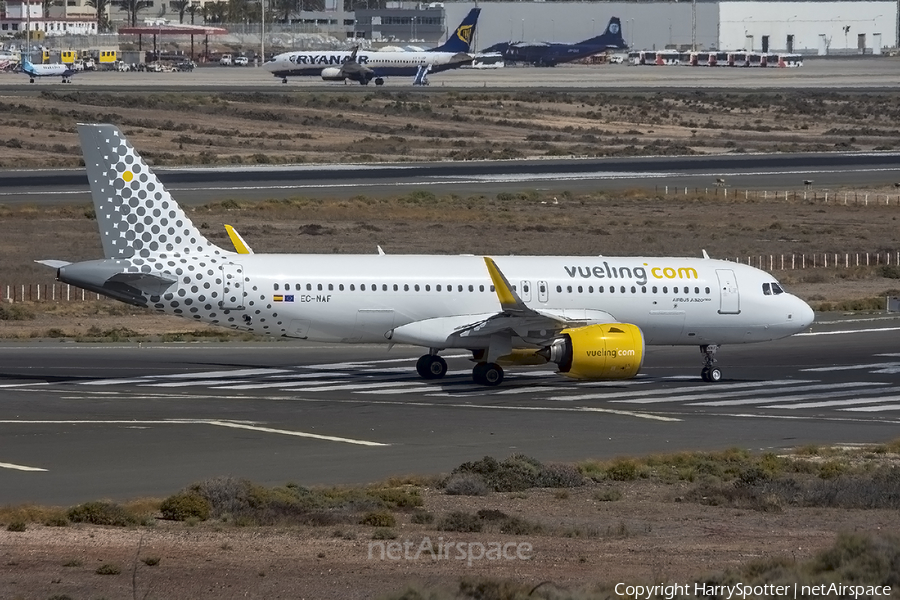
[(527, 390), (117, 381), (880, 408), (188, 383), (392, 391), (712, 388), (218, 423), (338, 386), (223, 374), (315, 436), (877, 330), (852, 367), (368, 363), (16, 467), (815, 396), (831, 403)]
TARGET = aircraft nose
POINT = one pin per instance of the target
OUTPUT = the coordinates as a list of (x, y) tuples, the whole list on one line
[(803, 315)]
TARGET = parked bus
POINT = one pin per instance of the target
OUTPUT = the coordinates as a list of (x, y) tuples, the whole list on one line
[(790, 60)]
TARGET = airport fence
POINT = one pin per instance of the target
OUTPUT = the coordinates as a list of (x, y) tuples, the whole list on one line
[(63, 292), (47, 292), (827, 197)]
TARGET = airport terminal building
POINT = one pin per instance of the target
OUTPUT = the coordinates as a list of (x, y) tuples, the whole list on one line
[(813, 27)]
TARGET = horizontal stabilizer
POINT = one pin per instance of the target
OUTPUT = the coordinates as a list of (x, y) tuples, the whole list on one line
[(155, 285), (53, 264)]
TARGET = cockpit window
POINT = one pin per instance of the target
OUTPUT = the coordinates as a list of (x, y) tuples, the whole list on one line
[(772, 289)]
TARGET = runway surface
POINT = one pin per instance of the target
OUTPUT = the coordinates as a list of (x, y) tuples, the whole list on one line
[(86, 421), (824, 74), (772, 172)]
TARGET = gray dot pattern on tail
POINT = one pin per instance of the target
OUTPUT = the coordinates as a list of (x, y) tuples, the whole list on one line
[(152, 234)]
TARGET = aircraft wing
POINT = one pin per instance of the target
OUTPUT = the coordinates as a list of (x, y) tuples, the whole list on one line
[(515, 319)]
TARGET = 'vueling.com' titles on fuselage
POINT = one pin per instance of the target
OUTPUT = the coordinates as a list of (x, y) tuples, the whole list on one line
[(639, 274)]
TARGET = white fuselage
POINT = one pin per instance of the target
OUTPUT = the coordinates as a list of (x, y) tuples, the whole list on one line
[(57, 69), (312, 63), (363, 298)]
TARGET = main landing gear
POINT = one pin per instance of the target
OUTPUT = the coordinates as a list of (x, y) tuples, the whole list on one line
[(710, 372), (431, 366), (486, 373)]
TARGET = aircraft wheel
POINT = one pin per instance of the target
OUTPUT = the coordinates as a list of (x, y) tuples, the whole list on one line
[(487, 374), (422, 365), (437, 368), (31, 80), (284, 80), (379, 81), (715, 375), (431, 366), (704, 374)]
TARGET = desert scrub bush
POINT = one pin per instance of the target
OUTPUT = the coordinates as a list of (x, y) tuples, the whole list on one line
[(422, 517), (101, 513), (378, 519), (461, 522), (399, 498), (623, 470), (17, 526), (517, 473), (150, 561), (15, 312), (466, 484), (184, 506), (608, 495), (108, 569), (384, 533)]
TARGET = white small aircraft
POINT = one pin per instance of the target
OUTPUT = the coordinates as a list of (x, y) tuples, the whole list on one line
[(51, 70), (592, 316)]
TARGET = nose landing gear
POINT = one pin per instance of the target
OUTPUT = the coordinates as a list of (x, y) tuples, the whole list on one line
[(710, 372)]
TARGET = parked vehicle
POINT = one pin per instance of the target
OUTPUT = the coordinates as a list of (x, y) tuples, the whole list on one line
[(241, 61), (226, 60)]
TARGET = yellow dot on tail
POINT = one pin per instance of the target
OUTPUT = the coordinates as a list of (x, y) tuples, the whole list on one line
[(127, 176)]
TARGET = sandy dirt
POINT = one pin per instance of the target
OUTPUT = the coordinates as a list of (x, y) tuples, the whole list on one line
[(646, 537)]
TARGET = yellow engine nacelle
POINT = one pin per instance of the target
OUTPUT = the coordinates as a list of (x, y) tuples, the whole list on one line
[(603, 351)]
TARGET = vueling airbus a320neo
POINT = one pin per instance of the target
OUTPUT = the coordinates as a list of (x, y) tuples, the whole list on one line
[(590, 315)]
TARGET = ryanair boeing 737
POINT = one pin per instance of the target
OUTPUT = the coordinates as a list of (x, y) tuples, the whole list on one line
[(367, 66), (591, 315)]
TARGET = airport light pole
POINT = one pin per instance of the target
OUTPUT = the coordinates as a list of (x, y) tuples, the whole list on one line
[(693, 25), (262, 32)]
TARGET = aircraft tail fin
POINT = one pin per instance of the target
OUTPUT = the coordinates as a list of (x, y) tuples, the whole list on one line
[(136, 215), (611, 36), (461, 39)]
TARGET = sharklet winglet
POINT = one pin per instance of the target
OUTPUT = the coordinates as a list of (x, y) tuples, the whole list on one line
[(240, 246), (508, 298)]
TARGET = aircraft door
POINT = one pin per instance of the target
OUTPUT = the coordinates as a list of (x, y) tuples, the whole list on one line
[(526, 291), (729, 298), (232, 287), (543, 291)]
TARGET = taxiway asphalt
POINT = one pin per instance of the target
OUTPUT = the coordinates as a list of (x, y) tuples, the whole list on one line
[(817, 74), (87, 421), (771, 172)]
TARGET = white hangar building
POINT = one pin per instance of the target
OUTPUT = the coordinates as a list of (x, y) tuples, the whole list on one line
[(810, 27)]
